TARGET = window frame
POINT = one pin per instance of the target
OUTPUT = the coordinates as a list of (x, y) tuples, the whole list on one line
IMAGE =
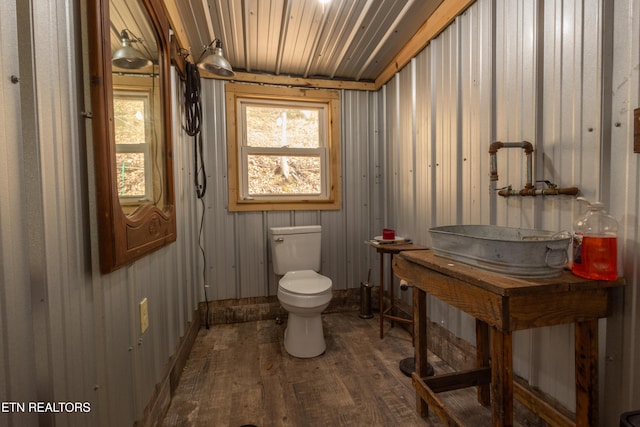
[(238, 153), (143, 148)]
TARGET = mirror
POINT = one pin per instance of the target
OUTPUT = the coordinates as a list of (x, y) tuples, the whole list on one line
[(130, 97)]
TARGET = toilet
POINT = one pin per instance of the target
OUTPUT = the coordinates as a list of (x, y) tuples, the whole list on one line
[(302, 291)]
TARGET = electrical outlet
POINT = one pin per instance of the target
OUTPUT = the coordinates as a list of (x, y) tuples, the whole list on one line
[(144, 316)]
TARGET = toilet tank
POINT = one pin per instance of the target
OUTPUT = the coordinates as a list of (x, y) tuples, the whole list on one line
[(295, 248)]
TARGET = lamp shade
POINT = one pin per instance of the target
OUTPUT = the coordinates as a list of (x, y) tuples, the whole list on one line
[(216, 63), (127, 56)]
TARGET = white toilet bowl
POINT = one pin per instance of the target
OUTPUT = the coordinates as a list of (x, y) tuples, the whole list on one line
[(304, 294)]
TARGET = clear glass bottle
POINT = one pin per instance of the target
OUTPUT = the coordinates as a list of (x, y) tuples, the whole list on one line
[(595, 244)]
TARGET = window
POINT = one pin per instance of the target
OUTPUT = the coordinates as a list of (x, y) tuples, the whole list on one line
[(283, 147), (131, 123)]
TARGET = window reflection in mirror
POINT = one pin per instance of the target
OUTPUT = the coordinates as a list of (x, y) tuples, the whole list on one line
[(136, 107)]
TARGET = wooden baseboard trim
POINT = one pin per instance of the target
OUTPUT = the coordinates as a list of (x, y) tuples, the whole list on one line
[(531, 406), (538, 404), (266, 308), (165, 389)]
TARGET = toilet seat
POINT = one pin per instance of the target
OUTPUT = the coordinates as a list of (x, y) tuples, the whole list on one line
[(305, 283)]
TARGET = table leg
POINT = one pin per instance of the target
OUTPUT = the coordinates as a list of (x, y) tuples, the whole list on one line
[(391, 300), (381, 295), (420, 343), (586, 373), (501, 378), (482, 359)]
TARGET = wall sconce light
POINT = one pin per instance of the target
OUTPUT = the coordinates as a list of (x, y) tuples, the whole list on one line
[(127, 56), (215, 63)]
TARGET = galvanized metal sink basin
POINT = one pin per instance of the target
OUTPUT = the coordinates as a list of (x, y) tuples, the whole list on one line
[(517, 252)]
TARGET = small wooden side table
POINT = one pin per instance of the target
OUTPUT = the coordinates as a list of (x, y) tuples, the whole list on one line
[(391, 249)]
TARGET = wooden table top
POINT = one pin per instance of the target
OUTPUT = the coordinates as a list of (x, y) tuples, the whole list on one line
[(394, 248), (501, 284), (508, 303)]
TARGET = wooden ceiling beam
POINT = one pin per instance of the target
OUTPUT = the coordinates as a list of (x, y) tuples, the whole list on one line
[(173, 14), (271, 79)]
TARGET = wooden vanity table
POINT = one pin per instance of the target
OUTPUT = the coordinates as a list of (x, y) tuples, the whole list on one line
[(501, 305)]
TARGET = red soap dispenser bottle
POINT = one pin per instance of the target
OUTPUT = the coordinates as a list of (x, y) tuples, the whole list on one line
[(595, 244)]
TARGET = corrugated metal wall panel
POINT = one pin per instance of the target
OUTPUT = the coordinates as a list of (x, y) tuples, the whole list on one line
[(188, 290), (570, 104), (515, 102), (447, 150), (548, 83), (17, 384), (541, 84), (360, 145), (440, 138), (170, 280), (424, 163), (264, 39), (508, 71), (251, 247), (475, 128), (348, 21), (118, 330), (515, 114), (404, 167), (219, 239), (623, 344), (237, 247), (55, 211), (77, 336), (380, 23), (304, 26), (334, 248)]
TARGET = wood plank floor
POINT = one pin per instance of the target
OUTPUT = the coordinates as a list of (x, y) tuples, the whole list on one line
[(240, 374)]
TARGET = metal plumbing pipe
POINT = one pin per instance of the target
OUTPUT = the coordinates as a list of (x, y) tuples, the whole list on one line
[(493, 159), (569, 191), (529, 189)]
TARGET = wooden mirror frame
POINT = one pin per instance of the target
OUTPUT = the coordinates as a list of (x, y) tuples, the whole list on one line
[(126, 238)]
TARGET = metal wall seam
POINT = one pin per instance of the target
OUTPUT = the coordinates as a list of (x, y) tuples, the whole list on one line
[(622, 379), (219, 230), (16, 322)]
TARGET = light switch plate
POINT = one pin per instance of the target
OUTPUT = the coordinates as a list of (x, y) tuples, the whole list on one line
[(144, 316)]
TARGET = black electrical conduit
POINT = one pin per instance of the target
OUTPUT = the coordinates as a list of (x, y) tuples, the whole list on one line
[(193, 120)]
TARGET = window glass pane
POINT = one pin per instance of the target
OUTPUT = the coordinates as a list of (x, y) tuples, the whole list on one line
[(131, 177), (283, 175), (129, 120), (283, 147), (277, 126)]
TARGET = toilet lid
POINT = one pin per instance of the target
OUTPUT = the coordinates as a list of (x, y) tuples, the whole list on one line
[(305, 282)]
